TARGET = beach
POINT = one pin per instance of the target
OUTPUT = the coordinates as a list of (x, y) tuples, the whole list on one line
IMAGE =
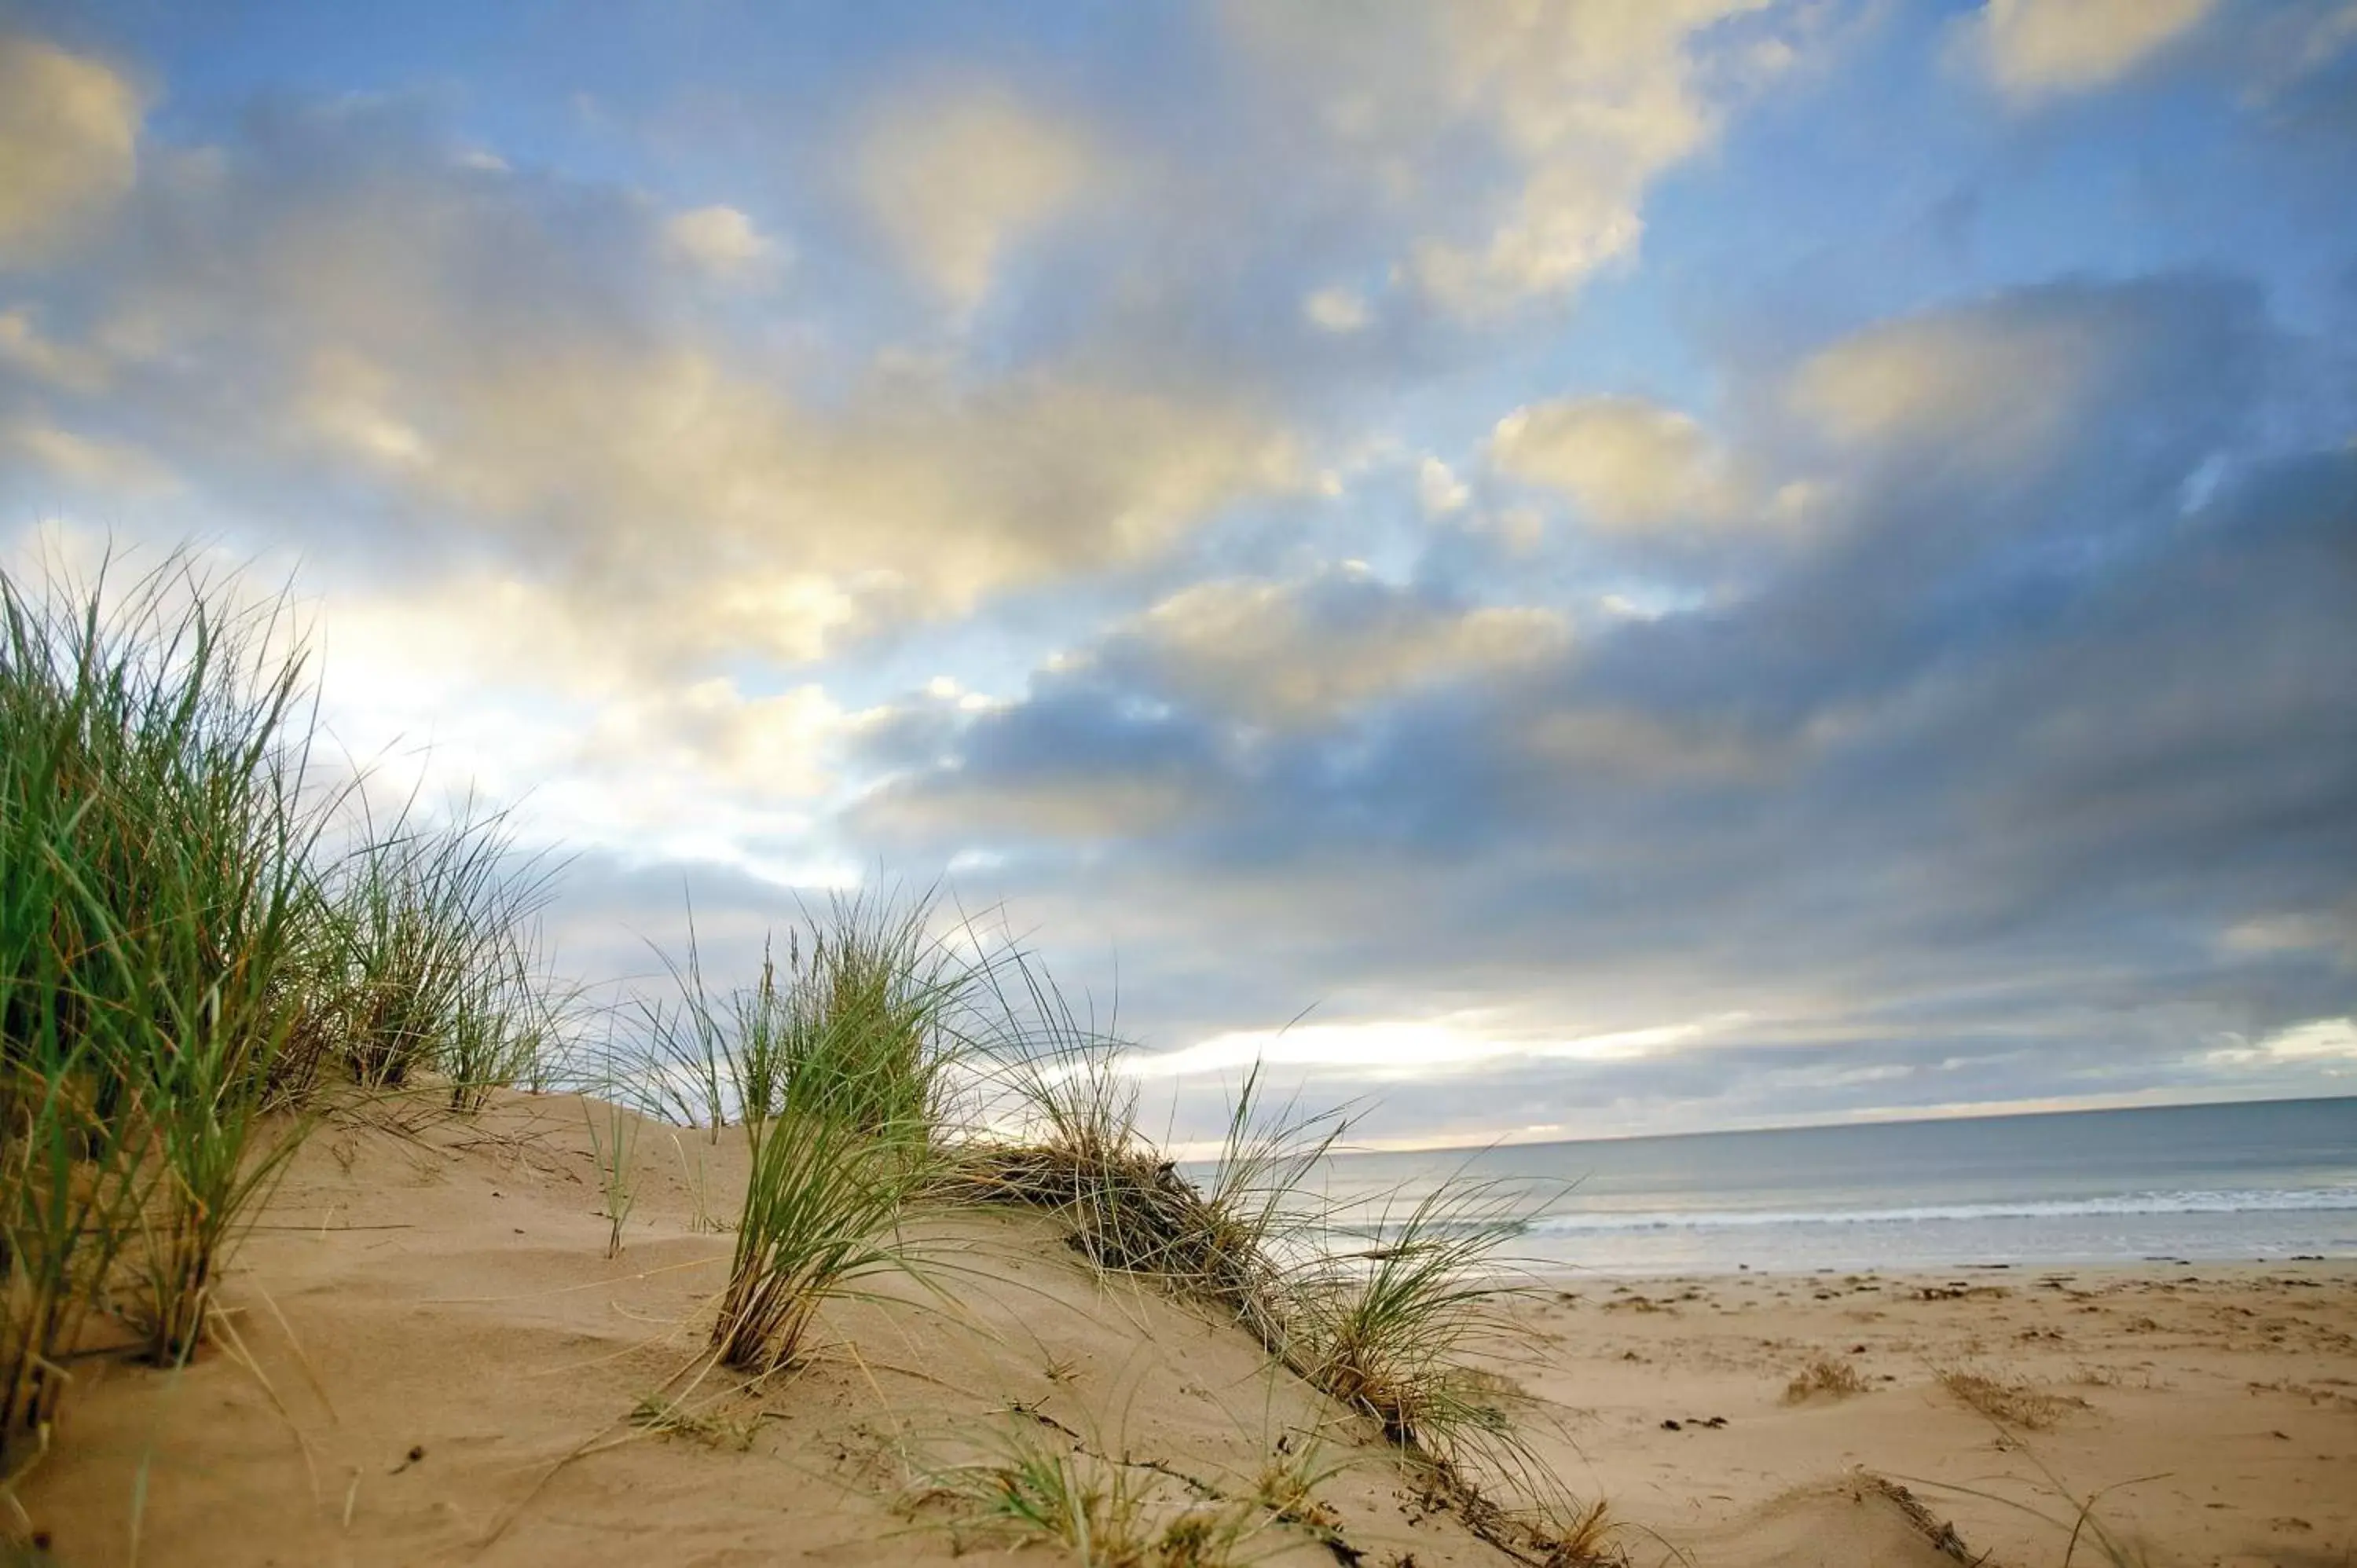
[(432, 1360), (2220, 1402)]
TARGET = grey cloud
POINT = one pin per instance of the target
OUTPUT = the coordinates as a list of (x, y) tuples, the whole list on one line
[(1998, 761)]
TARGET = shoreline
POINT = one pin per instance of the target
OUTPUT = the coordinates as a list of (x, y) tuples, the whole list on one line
[(1550, 1273)]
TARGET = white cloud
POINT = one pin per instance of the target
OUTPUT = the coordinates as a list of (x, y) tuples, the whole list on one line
[(1586, 102), (1336, 309), (956, 179), (69, 143), (2307, 932), (2318, 1040), (1438, 489), (2036, 46), (496, 682), (721, 241), (1628, 464), (1397, 1048)]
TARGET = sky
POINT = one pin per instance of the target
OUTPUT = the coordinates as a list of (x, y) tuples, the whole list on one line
[(1546, 567)]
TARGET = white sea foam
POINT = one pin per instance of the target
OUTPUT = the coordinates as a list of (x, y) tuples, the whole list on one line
[(2270, 1201)]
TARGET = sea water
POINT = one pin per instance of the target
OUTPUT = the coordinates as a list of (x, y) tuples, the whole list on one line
[(2247, 1182)]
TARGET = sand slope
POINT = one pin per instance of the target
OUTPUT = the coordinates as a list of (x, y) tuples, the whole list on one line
[(440, 1366)]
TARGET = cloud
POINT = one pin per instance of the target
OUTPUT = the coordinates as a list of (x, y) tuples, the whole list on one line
[(720, 240), (1307, 652), (2321, 1039), (1336, 309), (509, 363), (955, 177), (2033, 47), (1630, 465), (1581, 107), (1964, 788), (53, 364), (490, 681), (69, 143), (111, 468), (2005, 386), (1438, 489)]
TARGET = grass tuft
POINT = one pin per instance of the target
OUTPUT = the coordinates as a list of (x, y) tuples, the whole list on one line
[(2007, 1402), (1823, 1376), (1035, 1484), (431, 959), (156, 829), (840, 1077)]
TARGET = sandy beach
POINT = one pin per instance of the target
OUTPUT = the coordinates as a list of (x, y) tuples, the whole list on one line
[(2220, 1402), (434, 1361)]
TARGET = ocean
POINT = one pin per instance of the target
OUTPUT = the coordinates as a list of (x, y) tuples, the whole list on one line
[(2240, 1183)]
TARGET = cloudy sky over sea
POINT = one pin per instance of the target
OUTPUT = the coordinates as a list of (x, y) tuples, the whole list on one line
[(1656, 565)]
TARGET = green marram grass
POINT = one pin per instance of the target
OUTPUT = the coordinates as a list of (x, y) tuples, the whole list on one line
[(180, 955), (840, 1074)]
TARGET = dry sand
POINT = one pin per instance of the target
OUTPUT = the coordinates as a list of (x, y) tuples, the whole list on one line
[(2220, 1401), (440, 1365)]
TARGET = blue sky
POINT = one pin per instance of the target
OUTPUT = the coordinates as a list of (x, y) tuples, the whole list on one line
[(1653, 565)]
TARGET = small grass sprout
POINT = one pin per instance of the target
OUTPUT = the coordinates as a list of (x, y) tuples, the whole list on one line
[(712, 1427), (613, 1149)]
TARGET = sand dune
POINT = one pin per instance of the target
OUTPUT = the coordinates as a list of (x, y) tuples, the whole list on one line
[(436, 1362)]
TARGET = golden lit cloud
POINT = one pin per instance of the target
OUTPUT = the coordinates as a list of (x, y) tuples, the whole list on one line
[(2009, 385), (1300, 653), (88, 460), (69, 143), (955, 181), (1630, 464), (2033, 46)]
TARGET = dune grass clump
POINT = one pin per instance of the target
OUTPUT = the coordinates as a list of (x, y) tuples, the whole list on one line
[(823, 1209), (613, 1151), (1076, 1150), (840, 1077), (152, 753), (866, 1028), (429, 959), (1387, 1330), (176, 959), (1390, 1331)]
